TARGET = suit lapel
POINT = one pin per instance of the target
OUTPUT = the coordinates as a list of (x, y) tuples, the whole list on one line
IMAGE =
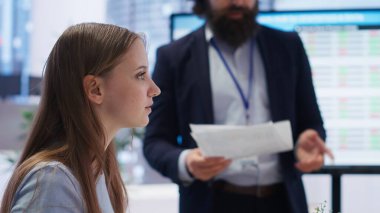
[(269, 61), (202, 74)]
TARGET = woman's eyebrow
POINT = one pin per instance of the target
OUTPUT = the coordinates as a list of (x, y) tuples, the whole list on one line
[(142, 67)]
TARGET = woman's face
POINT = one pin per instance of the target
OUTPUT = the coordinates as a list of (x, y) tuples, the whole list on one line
[(129, 90)]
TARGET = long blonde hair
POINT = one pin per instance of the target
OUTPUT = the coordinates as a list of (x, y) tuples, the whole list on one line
[(66, 127)]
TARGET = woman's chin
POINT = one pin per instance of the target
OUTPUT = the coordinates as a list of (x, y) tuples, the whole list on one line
[(144, 123)]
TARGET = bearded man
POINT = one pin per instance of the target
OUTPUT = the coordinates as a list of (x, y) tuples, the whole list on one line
[(234, 71)]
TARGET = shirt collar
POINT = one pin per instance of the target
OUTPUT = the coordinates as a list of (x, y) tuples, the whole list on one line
[(208, 33)]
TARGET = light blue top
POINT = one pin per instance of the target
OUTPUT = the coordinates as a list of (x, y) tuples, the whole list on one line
[(51, 187)]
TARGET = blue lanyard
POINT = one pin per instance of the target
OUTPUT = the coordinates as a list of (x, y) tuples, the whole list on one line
[(237, 84)]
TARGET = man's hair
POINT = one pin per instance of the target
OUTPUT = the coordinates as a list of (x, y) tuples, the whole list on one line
[(200, 7)]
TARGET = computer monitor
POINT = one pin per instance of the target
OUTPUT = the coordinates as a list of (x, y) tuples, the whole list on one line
[(9, 85), (344, 52)]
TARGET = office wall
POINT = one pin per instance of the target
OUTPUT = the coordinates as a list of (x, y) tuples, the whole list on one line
[(50, 18)]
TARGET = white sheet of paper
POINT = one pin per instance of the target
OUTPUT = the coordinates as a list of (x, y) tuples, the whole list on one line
[(243, 141)]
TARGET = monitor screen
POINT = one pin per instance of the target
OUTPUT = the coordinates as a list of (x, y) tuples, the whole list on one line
[(344, 53)]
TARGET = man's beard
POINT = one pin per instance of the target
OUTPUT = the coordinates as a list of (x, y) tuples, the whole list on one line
[(233, 31)]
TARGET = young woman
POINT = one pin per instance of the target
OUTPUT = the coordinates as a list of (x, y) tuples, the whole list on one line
[(96, 81)]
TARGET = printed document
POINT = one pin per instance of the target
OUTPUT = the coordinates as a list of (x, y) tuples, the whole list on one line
[(235, 142)]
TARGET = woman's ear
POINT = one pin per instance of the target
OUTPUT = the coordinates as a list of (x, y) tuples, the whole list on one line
[(92, 86)]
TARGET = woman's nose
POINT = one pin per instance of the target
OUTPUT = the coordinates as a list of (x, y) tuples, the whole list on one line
[(155, 90)]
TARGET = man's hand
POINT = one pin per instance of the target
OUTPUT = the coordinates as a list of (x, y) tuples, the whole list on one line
[(310, 149), (205, 168)]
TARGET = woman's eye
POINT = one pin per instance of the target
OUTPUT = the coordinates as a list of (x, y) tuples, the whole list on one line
[(141, 76)]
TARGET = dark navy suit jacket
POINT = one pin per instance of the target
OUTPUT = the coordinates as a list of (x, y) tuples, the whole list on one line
[(182, 73)]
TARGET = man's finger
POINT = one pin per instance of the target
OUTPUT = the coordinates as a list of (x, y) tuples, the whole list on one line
[(310, 164), (322, 146), (210, 163)]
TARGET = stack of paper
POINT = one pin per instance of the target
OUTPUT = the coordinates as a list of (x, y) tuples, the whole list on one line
[(243, 141)]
